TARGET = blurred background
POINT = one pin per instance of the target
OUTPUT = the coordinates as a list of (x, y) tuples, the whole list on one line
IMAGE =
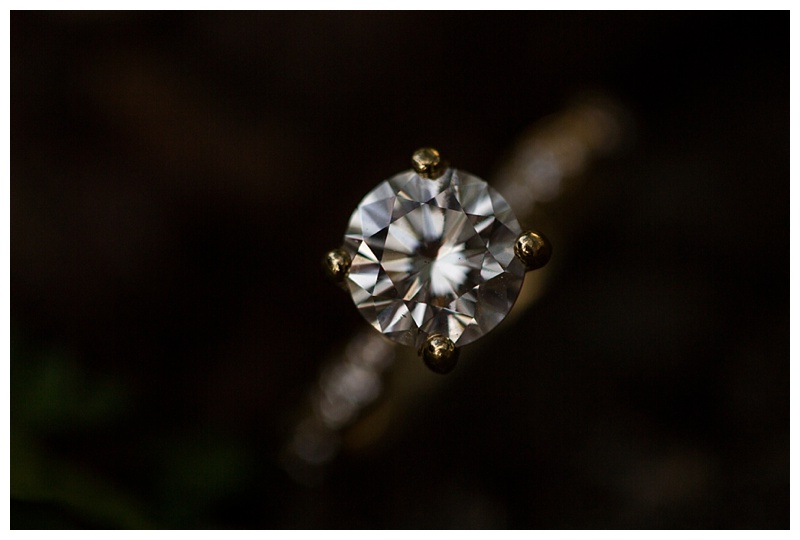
[(176, 179)]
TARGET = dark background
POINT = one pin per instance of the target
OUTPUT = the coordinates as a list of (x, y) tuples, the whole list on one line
[(177, 177)]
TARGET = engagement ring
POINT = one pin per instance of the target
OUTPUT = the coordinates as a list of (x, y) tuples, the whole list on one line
[(434, 258)]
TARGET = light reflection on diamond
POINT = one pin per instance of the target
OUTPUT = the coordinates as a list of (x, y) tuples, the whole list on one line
[(433, 256)]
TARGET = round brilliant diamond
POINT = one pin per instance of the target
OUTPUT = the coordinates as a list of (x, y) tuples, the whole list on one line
[(433, 257)]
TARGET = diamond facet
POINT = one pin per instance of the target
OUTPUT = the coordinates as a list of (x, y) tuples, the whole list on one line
[(433, 257)]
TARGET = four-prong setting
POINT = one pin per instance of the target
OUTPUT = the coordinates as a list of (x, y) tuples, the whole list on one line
[(440, 354), (533, 249), (434, 258)]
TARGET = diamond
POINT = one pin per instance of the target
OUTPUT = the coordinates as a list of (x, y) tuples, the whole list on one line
[(433, 257)]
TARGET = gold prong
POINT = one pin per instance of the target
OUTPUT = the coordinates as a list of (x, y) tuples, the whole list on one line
[(533, 249), (440, 354), (428, 163), (337, 264)]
